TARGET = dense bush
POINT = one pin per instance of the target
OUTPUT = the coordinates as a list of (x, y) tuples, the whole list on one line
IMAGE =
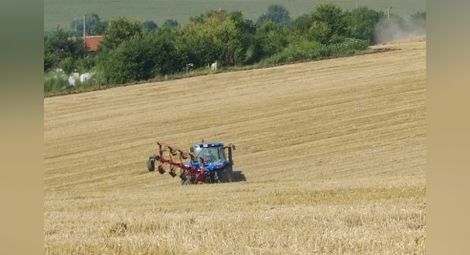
[(54, 81), (361, 23), (216, 36), (347, 47), (270, 38), (140, 58), (62, 48), (121, 30), (149, 26), (86, 64), (171, 23), (295, 51), (311, 50), (329, 24)]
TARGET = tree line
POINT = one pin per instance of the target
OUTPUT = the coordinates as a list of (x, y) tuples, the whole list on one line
[(134, 50)]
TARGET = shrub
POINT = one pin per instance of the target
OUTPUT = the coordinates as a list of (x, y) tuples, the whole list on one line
[(140, 58), (294, 52), (149, 25), (61, 48), (348, 47), (270, 38), (86, 64), (67, 64), (305, 49), (216, 36), (329, 25), (54, 81), (361, 23), (121, 30)]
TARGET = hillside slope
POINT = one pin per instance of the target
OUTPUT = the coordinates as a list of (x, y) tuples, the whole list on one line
[(333, 152)]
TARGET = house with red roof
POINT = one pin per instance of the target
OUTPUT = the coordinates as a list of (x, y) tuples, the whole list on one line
[(92, 42)]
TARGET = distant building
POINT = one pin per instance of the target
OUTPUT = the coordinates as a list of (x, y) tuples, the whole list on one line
[(92, 42)]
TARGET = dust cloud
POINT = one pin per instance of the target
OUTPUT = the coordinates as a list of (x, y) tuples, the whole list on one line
[(399, 29)]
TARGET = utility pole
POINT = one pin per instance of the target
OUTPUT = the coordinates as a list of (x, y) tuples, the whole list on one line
[(84, 28), (356, 4), (388, 13)]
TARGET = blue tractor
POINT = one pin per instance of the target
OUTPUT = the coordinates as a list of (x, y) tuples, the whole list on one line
[(204, 163)]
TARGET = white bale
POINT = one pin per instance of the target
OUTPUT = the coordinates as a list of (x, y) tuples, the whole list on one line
[(59, 71), (214, 66), (72, 81), (84, 77), (73, 78)]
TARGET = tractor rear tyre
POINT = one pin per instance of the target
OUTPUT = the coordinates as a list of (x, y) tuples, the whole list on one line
[(227, 174), (214, 177), (151, 164)]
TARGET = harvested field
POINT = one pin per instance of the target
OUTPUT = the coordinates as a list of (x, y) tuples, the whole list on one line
[(333, 152)]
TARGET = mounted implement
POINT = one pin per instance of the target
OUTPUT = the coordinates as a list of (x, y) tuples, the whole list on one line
[(204, 163)]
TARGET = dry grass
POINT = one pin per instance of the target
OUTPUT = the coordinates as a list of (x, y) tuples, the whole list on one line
[(333, 152)]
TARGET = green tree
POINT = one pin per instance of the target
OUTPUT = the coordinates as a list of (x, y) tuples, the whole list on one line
[(150, 25), (60, 45), (215, 35), (140, 58), (361, 23), (86, 63), (171, 23), (120, 30), (247, 53), (271, 38), (329, 25), (302, 24), (49, 60), (278, 14), (67, 64), (167, 57)]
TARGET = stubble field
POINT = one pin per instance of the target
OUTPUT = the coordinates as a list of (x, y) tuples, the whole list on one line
[(333, 152)]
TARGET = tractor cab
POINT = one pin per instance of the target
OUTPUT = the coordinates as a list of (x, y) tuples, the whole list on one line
[(208, 152), (211, 155)]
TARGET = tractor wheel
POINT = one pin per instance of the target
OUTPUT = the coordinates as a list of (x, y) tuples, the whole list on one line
[(214, 177), (151, 164), (227, 174)]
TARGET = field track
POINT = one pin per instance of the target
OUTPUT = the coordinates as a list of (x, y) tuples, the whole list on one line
[(333, 152)]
